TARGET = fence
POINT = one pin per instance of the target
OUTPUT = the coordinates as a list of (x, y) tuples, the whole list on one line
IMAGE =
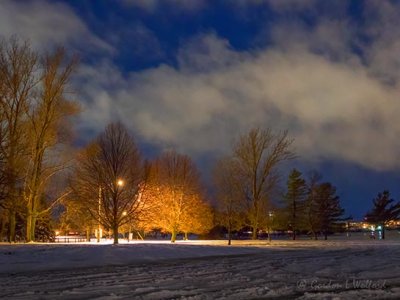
[(70, 239)]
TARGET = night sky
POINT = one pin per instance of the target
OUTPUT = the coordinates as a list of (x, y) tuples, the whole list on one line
[(193, 74)]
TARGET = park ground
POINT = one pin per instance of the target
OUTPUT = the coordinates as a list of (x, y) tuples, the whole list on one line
[(337, 269)]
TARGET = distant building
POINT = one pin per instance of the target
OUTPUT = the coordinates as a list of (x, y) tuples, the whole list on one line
[(366, 226)]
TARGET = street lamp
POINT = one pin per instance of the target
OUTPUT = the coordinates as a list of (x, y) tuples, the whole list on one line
[(124, 214), (270, 219), (99, 231), (120, 183)]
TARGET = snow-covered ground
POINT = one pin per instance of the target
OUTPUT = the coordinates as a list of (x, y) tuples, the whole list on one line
[(338, 269)]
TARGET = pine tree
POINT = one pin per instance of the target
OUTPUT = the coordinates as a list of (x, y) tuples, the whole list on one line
[(327, 206), (295, 199), (381, 213)]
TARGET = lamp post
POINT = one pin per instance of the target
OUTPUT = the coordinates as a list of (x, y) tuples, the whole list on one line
[(99, 221), (124, 213), (120, 183), (270, 219)]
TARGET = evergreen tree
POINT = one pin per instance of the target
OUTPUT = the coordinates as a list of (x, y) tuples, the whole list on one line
[(311, 205), (327, 207), (295, 200), (381, 213)]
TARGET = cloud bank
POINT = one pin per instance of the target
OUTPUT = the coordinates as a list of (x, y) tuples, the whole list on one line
[(335, 110), (47, 24), (334, 86)]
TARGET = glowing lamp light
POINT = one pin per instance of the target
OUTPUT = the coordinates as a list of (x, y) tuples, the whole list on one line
[(120, 182)]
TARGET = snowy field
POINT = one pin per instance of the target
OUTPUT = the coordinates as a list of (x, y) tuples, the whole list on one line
[(337, 269)]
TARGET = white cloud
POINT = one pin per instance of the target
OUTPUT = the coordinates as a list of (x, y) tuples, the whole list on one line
[(96, 86), (336, 104), (383, 34), (47, 23), (335, 109)]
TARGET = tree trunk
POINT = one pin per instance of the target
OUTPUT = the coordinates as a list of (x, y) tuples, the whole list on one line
[(383, 232), (294, 220), (255, 221), (3, 227), (325, 235), (11, 226), (33, 227), (30, 228), (115, 233), (88, 234), (173, 236), (229, 235), (315, 235), (254, 234), (186, 236)]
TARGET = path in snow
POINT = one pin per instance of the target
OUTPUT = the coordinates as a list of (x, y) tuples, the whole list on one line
[(289, 270)]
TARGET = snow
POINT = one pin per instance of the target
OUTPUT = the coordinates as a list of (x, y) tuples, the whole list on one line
[(305, 269)]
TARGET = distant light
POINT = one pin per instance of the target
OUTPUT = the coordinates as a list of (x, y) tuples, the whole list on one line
[(124, 213), (120, 182), (57, 232), (379, 227)]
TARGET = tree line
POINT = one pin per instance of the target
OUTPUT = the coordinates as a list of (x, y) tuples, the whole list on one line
[(248, 180), (109, 185)]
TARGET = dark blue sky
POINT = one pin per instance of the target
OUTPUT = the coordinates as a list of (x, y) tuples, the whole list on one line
[(194, 74)]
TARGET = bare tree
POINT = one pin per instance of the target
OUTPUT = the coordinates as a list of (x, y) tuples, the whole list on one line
[(34, 114), (197, 218), (109, 178), (3, 184), (175, 191), (18, 68), (2, 161), (48, 118), (76, 218), (257, 155), (230, 206)]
